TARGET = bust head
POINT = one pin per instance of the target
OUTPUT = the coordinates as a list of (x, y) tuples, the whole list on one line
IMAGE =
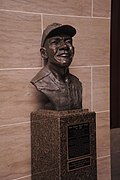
[(56, 45)]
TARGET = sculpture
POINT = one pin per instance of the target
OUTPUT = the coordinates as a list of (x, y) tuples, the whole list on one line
[(57, 88)]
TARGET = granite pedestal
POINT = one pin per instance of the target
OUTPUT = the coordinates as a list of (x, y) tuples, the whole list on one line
[(63, 145)]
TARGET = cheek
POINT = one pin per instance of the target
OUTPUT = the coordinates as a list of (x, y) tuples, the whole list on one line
[(52, 51), (72, 50)]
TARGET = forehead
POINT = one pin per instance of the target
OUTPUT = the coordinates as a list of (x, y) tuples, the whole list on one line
[(57, 38)]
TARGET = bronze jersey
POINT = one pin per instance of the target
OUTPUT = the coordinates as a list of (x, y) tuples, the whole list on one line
[(60, 95)]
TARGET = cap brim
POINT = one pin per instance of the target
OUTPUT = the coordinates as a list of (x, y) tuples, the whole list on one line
[(63, 29)]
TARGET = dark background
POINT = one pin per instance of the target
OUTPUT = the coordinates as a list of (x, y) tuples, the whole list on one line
[(115, 64)]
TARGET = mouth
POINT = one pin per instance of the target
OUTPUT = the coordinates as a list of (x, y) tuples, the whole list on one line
[(64, 54), (63, 59)]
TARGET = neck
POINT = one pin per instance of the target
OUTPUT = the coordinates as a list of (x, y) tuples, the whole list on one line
[(59, 72)]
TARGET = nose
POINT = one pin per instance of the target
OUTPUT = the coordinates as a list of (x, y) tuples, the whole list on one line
[(63, 45)]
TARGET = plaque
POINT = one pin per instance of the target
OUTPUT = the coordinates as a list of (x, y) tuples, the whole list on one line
[(78, 140)]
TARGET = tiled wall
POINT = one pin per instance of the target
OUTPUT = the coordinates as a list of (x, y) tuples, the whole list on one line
[(21, 25)]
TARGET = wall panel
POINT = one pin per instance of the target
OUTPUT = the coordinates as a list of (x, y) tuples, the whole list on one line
[(66, 7)]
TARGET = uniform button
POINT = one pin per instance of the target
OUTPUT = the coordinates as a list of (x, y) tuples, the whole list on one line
[(66, 80)]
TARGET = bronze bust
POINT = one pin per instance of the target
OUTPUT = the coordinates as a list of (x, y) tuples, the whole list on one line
[(57, 88)]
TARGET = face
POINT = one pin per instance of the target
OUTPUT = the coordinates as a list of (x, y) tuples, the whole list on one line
[(60, 50)]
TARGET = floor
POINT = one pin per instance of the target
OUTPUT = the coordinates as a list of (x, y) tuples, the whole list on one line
[(115, 153)]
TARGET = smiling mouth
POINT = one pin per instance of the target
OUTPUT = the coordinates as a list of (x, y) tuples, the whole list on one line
[(64, 55)]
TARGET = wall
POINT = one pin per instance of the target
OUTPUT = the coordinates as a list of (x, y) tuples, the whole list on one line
[(21, 25)]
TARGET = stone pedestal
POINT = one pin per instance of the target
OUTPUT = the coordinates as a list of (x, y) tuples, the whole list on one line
[(63, 145)]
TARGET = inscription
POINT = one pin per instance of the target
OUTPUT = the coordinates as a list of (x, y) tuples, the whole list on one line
[(78, 140), (79, 163)]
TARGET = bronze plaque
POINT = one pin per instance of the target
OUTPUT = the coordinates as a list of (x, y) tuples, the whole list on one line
[(78, 140)]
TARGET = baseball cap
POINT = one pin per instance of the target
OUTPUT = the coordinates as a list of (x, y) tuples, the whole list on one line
[(56, 29)]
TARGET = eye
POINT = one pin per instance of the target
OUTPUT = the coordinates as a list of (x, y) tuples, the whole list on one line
[(54, 41), (69, 41)]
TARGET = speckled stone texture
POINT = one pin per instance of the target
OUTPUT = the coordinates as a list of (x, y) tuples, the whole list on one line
[(49, 140)]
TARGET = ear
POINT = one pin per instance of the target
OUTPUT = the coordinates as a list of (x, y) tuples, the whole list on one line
[(43, 53)]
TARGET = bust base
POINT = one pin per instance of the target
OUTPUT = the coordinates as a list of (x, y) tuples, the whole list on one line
[(63, 145)]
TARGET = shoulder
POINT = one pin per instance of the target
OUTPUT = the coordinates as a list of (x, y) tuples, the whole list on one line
[(75, 79), (43, 73), (44, 80)]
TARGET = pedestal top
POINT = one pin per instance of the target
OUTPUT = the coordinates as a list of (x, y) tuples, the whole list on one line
[(60, 113)]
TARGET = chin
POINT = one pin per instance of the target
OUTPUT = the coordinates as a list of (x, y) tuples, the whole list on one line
[(63, 62), (65, 65)]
